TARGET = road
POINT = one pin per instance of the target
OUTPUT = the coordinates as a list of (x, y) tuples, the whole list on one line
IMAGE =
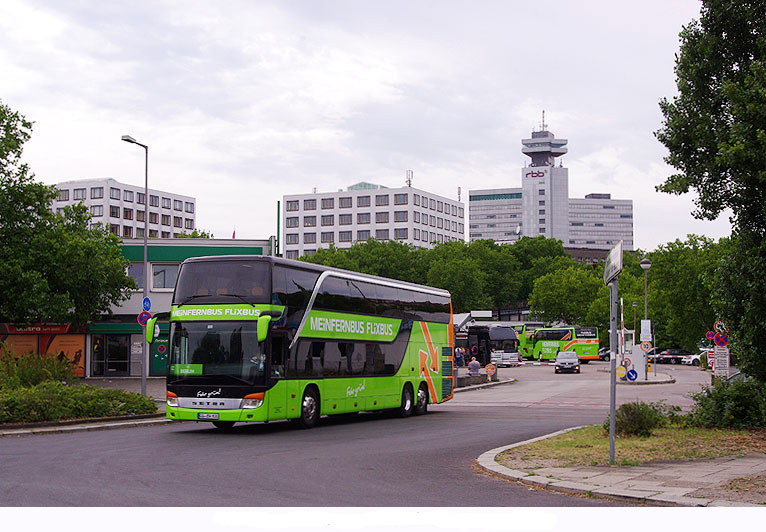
[(368, 460)]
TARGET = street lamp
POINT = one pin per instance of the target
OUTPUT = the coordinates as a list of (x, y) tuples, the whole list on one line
[(645, 265), (145, 345)]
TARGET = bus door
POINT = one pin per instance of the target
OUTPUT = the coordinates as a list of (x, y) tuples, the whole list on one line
[(276, 347)]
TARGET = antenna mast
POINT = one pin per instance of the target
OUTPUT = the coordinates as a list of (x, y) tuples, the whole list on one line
[(408, 180)]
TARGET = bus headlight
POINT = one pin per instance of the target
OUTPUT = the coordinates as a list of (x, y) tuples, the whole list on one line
[(172, 399), (253, 400)]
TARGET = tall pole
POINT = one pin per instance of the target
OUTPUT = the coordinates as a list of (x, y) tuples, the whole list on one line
[(613, 370), (145, 344), (646, 305)]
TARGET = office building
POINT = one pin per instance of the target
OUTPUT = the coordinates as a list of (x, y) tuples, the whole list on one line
[(122, 207), (363, 211)]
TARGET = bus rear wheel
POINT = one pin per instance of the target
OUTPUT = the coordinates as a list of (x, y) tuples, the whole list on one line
[(309, 409), (405, 409), (421, 404), (223, 425)]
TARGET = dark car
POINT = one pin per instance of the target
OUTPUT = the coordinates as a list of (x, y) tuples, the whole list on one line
[(654, 352), (674, 356), (604, 354), (567, 361)]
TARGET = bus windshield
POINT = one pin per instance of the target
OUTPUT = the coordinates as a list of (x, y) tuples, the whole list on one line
[(216, 353), (213, 281)]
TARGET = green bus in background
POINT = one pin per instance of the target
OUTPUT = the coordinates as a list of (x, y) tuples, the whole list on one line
[(545, 342), (256, 339)]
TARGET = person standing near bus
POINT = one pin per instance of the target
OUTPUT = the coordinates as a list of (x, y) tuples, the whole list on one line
[(459, 360)]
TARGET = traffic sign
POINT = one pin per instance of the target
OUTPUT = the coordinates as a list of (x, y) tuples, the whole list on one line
[(621, 371), (143, 318), (147, 304), (721, 339), (490, 369), (646, 346), (613, 263), (627, 362), (632, 375)]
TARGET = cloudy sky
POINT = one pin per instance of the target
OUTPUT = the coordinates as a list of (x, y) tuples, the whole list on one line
[(242, 102)]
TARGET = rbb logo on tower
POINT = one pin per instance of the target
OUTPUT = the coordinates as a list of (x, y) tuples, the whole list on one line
[(539, 171)]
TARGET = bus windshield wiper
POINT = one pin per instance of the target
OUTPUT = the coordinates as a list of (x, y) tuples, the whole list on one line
[(195, 296), (238, 297)]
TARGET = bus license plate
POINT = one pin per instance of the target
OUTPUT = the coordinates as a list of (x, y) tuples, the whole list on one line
[(206, 415)]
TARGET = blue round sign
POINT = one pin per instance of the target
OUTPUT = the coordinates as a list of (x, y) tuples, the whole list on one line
[(147, 304), (632, 375), (143, 318)]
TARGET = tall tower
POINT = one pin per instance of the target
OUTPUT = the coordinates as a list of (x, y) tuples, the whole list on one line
[(545, 187)]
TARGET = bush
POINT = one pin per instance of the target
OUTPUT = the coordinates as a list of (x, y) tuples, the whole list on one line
[(54, 401), (739, 404), (17, 371), (639, 418)]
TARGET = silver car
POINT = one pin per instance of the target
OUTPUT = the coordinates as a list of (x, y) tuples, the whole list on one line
[(567, 361)]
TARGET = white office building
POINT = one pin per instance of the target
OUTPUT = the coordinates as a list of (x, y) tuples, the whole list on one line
[(122, 207), (364, 211), (542, 206)]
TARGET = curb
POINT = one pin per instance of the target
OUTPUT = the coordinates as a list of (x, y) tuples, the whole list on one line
[(86, 426), (487, 463), (485, 385)]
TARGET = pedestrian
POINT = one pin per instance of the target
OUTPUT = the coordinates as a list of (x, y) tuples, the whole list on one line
[(473, 366), (459, 360)]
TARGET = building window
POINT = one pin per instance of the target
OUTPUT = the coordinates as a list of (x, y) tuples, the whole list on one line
[(541, 192), (432, 221), (541, 230), (291, 205), (154, 218), (114, 229), (127, 214), (78, 194), (440, 206), (292, 221), (136, 271), (400, 216), (165, 219), (416, 234), (363, 201), (189, 207), (363, 218), (114, 193), (440, 223), (541, 211), (344, 219), (309, 204), (291, 238), (344, 236), (127, 231), (309, 252), (309, 221), (63, 195), (165, 203), (154, 201), (541, 221), (381, 217), (416, 199), (381, 200), (178, 205), (541, 202), (96, 210), (140, 216), (416, 217), (189, 223), (164, 276), (96, 192), (114, 211), (432, 204), (454, 210), (345, 203), (400, 234), (140, 198), (363, 236), (309, 238), (328, 203), (400, 199), (178, 221), (328, 220), (381, 234), (153, 233), (166, 234), (292, 254), (328, 237), (460, 212), (127, 195), (140, 234)]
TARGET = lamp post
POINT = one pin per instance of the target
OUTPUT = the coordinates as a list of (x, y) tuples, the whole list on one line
[(645, 265), (145, 345)]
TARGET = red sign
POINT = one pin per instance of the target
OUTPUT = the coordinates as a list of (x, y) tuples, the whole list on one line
[(490, 369)]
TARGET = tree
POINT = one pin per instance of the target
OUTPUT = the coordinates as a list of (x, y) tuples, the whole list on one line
[(197, 233), (53, 267), (564, 296), (715, 131)]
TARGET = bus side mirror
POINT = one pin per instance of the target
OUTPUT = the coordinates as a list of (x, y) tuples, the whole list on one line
[(152, 330), (263, 327)]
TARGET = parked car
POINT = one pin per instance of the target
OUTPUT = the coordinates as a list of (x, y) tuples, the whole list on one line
[(604, 354), (672, 356), (654, 352), (567, 361), (504, 358), (692, 359)]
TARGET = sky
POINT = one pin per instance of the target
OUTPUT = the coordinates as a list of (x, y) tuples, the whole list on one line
[(243, 102)]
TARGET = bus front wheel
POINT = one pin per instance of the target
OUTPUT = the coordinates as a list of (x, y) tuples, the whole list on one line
[(421, 404), (309, 409), (405, 409)]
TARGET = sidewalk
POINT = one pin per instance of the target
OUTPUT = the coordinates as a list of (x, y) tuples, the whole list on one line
[(687, 483)]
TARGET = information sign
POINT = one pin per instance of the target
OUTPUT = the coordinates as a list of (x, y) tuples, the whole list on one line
[(721, 365), (632, 375)]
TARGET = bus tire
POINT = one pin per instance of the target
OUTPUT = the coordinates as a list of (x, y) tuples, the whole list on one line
[(421, 402), (309, 409), (223, 425), (405, 409)]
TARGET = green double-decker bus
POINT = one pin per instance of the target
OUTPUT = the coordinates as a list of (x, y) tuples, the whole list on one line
[(546, 342), (256, 339)]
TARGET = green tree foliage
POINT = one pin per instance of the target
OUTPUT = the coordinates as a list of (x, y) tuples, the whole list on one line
[(564, 295), (715, 131), (197, 233), (53, 267)]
